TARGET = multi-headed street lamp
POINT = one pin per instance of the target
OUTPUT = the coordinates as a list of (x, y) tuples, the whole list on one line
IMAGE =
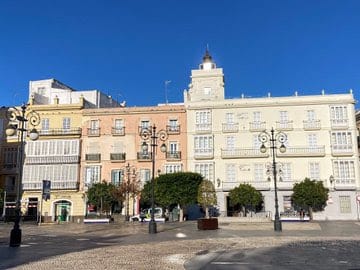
[(130, 174), (15, 117), (274, 139), (146, 134)]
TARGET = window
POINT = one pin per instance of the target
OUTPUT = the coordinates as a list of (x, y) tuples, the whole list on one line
[(92, 175), (345, 204), (94, 124), (285, 174), (344, 171), (117, 177), (207, 91), (203, 144), (203, 117), (118, 147), (284, 116), (257, 117), (172, 168), (41, 90), (66, 123), (230, 171), (338, 113), (229, 118), (173, 125), (259, 172), (230, 142), (173, 147), (119, 123), (314, 170), (312, 140), (311, 116), (10, 157), (287, 203), (341, 140), (256, 142), (45, 125), (145, 124), (144, 175), (94, 129), (206, 170)]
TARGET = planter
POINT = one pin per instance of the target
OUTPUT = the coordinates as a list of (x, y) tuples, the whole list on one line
[(208, 224)]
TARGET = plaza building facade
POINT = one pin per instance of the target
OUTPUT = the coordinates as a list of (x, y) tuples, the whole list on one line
[(224, 146), (55, 156), (112, 146)]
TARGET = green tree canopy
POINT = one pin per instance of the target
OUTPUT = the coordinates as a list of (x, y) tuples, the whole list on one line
[(206, 195), (100, 195), (310, 195), (245, 196)]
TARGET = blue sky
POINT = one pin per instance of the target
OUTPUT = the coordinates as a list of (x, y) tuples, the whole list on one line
[(128, 49)]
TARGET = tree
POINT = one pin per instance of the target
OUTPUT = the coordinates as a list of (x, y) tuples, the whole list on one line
[(2, 195), (206, 195), (245, 196), (100, 195), (174, 189), (310, 195)]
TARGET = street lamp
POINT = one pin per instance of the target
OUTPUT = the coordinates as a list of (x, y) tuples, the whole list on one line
[(20, 116), (150, 133), (274, 140), (128, 185)]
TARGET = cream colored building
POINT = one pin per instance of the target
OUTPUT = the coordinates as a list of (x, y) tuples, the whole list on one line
[(224, 146), (55, 156)]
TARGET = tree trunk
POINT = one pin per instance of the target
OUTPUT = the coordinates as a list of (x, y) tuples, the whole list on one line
[(181, 216), (310, 213), (207, 212)]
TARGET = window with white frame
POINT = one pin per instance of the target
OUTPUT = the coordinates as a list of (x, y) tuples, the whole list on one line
[(117, 177), (344, 171), (66, 123), (145, 124), (229, 118), (52, 148), (10, 157), (203, 120), (172, 168), (145, 176), (230, 172), (230, 142), (338, 113), (341, 140), (345, 204), (203, 144), (257, 117), (310, 115), (173, 125), (206, 170), (94, 124), (45, 125), (312, 140), (92, 175), (207, 91), (285, 172), (256, 142), (173, 147), (314, 170), (284, 116), (259, 172), (119, 123)]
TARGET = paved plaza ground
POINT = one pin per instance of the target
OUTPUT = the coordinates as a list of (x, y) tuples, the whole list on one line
[(301, 245)]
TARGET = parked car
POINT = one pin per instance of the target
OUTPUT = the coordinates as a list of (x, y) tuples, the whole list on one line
[(145, 215)]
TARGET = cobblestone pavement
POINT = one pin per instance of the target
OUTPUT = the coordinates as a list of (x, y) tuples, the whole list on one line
[(129, 246)]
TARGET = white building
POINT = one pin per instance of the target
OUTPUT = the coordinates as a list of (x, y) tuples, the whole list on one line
[(224, 146)]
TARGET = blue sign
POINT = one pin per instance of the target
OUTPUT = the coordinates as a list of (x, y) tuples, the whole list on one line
[(46, 190)]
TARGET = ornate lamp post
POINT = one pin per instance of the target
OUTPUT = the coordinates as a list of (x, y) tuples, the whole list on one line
[(274, 139), (153, 136), (129, 174), (21, 116)]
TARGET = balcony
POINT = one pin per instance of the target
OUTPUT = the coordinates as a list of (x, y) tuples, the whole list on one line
[(60, 132), (173, 129), (118, 131), (342, 150), (286, 185), (204, 153), (303, 151), (312, 125), (93, 157), (339, 123), (117, 157), (54, 185), (257, 126), (230, 127), (173, 155), (203, 128), (258, 185), (93, 132), (142, 156), (345, 184), (242, 153), (284, 125), (52, 159)]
